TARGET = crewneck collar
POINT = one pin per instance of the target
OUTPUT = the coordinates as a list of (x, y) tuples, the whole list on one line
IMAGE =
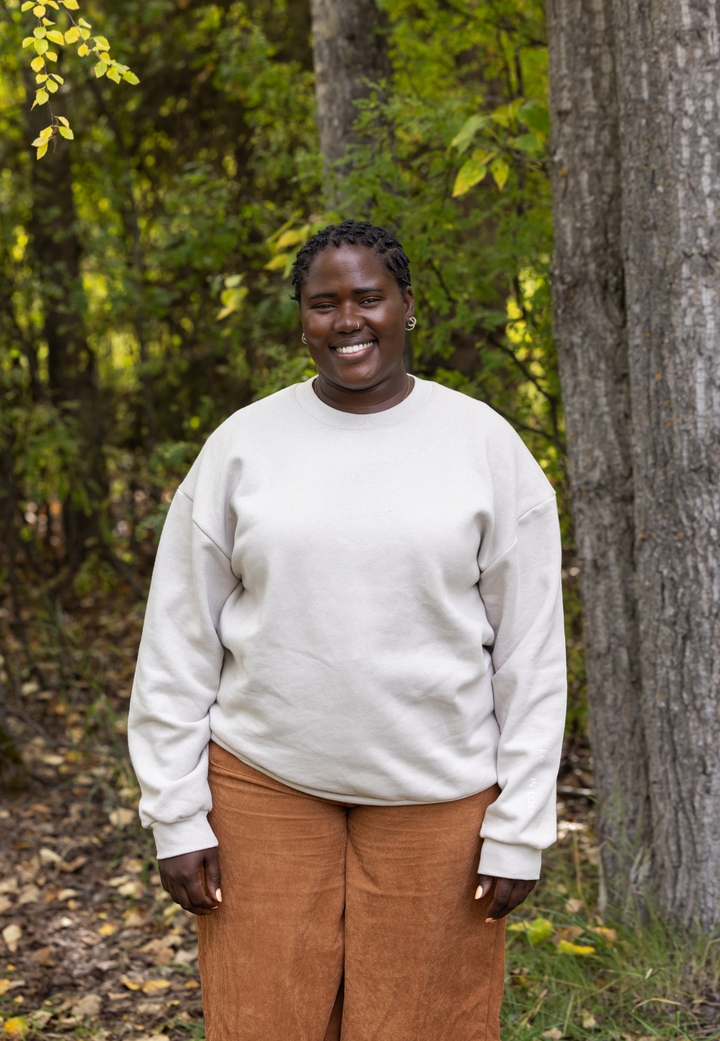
[(310, 403)]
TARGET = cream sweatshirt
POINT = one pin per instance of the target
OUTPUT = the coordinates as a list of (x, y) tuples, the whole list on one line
[(364, 607)]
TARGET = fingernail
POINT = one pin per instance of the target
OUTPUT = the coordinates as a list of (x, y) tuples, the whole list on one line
[(218, 896), (489, 919), (479, 892)]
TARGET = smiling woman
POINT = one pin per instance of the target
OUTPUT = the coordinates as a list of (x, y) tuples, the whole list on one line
[(349, 699)]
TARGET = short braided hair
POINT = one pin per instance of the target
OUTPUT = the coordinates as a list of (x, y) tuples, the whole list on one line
[(352, 233)]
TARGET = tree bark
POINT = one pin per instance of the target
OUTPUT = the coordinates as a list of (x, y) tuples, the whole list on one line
[(668, 59), (349, 50), (591, 335), (72, 373), (636, 178)]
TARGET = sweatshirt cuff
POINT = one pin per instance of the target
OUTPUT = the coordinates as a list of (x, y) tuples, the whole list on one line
[(502, 860), (184, 836)]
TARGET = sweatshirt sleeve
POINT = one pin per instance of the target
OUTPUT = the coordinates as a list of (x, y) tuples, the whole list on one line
[(522, 593), (176, 682)]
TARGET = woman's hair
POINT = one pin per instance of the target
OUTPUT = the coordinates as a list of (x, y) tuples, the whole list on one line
[(352, 233)]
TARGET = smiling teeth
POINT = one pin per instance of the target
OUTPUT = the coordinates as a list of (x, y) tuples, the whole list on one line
[(354, 347)]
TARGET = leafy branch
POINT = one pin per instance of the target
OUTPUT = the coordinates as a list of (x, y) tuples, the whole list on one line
[(49, 82)]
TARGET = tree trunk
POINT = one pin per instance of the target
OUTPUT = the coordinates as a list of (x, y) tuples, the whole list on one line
[(71, 363), (591, 335), (669, 81), (349, 49), (636, 177)]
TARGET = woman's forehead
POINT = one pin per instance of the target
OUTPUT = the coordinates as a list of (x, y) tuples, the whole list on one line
[(346, 264)]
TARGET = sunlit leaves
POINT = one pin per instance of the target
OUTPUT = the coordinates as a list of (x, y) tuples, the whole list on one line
[(130, 77), (72, 34), (71, 5), (83, 49), (467, 132), (471, 173), (100, 69), (232, 296), (41, 97), (500, 171), (37, 63), (55, 37), (101, 43), (67, 132)]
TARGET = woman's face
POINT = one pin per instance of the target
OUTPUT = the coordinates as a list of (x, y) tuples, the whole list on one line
[(353, 316)]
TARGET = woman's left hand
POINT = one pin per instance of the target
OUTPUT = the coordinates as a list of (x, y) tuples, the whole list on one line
[(508, 894)]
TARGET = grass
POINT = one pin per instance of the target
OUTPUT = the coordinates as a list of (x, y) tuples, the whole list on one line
[(640, 980)]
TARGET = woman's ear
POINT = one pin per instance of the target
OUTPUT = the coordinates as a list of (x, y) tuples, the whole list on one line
[(409, 302)]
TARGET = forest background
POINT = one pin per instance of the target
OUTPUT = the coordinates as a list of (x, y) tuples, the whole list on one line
[(144, 297)]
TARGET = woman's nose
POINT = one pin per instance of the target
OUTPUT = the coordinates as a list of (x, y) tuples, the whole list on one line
[(348, 320)]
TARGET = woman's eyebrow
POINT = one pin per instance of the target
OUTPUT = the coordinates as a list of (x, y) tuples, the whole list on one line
[(364, 289)]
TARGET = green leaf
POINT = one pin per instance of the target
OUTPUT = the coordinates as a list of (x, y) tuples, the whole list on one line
[(505, 114), (233, 281), (84, 24), (28, 41), (535, 115), (100, 69), (41, 46), (470, 173), (500, 171), (51, 85), (527, 143), (66, 132), (27, 5), (130, 77), (467, 132), (40, 32), (55, 36), (72, 34), (49, 55), (41, 96), (71, 5), (277, 262), (538, 930), (113, 75), (37, 63), (85, 33), (101, 43)]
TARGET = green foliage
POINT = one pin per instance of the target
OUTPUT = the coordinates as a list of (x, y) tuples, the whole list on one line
[(189, 196)]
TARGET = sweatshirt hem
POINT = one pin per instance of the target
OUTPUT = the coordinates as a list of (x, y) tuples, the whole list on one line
[(507, 860), (183, 836)]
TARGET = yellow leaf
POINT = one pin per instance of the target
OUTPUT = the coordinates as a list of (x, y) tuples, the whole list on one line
[(67, 133), (28, 40), (27, 5), (609, 935), (130, 984), (59, 79), (72, 34), (470, 173), (85, 33), (565, 947), (83, 24), (108, 929), (51, 3), (36, 144), (39, 11), (101, 43), (37, 63), (41, 77), (40, 33), (71, 5), (155, 986), (41, 46), (291, 238), (55, 36), (63, 121), (50, 55), (42, 150), (277, 262), (500, 171), (51, 86), (83, 49), (15, 1029), (130, 77), (505, 114), (41, 96), (113, 75), (100, 69)]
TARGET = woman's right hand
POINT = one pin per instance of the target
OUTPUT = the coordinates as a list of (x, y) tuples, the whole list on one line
[(193, 880)]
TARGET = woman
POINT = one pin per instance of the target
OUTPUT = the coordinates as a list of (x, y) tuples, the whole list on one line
[(352, 668)]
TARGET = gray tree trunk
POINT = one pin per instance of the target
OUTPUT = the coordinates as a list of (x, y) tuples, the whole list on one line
[(634, 97), (349, 49), (669, 66), (591, 336)]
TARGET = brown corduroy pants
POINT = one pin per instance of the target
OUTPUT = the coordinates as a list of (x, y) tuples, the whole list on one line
[(344, 921)]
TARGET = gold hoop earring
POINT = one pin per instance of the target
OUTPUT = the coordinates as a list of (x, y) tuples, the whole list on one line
[(410, 324), (303, 339)]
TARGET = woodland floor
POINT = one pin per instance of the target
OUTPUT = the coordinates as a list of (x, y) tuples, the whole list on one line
[(93, 947)]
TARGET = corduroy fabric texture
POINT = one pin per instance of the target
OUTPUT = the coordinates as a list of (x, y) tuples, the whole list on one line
[(345, 922)]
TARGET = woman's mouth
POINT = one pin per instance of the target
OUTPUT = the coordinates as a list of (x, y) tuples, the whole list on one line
[(355, 348)]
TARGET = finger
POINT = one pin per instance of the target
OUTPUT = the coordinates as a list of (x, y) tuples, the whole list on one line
[(503, 888), (212, 874), (197, 894), (484, 883)]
